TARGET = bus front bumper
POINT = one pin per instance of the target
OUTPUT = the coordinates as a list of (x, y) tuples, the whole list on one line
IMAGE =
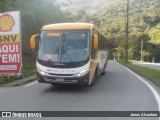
[(63, 79)]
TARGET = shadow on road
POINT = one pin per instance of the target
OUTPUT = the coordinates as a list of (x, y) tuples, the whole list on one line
[(96, 88), (67, 89)]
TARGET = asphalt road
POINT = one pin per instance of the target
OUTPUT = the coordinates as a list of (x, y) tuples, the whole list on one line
[(117, 90), (155, 66)]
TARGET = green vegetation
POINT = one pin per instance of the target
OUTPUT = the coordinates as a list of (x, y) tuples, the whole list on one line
[(155, 35), (143, 16), (143, 25), (153, 75), (34, 14)]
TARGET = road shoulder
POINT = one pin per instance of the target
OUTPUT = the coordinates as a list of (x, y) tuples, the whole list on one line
[(20, 82)]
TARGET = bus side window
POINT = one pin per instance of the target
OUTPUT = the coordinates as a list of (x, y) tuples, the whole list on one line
[(93, 50), (103, 43), (99, 41)]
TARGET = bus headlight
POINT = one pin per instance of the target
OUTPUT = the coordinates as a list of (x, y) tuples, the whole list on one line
[(82, 73), (41, 72)]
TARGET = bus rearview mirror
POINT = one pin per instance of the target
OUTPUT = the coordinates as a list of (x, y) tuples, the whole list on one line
[(95, 44), (33, 41)]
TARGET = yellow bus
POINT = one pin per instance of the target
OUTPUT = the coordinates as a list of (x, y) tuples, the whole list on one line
[(70, 53)]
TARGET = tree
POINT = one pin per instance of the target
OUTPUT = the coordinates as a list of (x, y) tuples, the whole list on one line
[(4, 5), (145, 54), (155, 35), (119, 53), (34, 15), (80, 15)]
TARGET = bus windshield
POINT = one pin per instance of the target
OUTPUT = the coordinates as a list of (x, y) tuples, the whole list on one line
[(65, 46)]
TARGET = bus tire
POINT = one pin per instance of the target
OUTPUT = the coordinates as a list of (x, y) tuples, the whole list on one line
[(104, 70)]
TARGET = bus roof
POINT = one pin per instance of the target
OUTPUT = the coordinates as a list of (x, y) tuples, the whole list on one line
[(69, 26)]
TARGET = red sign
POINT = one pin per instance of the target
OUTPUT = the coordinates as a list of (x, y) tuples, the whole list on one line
[(10, 44)]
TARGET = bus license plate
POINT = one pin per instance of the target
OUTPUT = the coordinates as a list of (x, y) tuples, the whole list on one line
[(60, 79)]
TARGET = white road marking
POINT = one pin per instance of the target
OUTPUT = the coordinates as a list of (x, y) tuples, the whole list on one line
[(31, 84), (155, 93)]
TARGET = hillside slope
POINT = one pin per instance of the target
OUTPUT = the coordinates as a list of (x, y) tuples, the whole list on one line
[(90, 6), (110, 17), (143, 16)]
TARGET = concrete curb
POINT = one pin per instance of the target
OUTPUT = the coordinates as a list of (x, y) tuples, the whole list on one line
[(20, 82)]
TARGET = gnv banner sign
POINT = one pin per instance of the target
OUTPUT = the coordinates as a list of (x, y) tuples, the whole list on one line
[(10, 44)]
